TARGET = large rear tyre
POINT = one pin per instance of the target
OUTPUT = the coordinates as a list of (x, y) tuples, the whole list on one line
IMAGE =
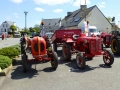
[(24, 62), (80, 59), (108, 58), (115, 45), (54, 61), (55, 47), (66, 51)]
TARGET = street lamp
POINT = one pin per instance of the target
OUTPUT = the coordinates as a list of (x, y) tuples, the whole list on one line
[(25, 19)]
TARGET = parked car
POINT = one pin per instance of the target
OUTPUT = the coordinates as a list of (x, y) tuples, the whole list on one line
[(17, 35), (49, 34)]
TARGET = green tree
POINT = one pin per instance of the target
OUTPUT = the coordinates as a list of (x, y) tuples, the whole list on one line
[(109, 18), (116, 27), (37, 28), (32, 29), (13, 28)]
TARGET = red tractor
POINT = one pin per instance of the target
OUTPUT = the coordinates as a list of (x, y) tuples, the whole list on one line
[(41, 50), (74, 41), (106, 39)]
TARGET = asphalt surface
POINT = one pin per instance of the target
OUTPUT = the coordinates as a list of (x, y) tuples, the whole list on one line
[(9, 42), (96, 76)]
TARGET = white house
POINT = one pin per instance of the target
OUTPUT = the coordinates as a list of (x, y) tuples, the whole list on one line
[(50, 25), (5, 26), (95, 17)]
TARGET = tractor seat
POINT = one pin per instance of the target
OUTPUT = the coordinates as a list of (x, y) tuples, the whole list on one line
[(75, 36)]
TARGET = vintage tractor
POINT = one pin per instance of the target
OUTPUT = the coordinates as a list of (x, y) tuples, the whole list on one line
[(115, 43), (106, 39), (41, 50), (75, 42)]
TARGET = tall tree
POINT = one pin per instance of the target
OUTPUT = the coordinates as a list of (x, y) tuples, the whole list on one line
[(13, 28), (37, 28)]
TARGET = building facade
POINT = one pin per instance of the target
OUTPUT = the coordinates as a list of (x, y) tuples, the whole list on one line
[(5, 26)]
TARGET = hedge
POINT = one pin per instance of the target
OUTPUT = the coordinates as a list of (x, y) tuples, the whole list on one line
[(5, 61)]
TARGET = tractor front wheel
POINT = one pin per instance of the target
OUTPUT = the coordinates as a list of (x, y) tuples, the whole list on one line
[(54, 61), (66, 52), (108, 58), (80, 59), (24, 62)]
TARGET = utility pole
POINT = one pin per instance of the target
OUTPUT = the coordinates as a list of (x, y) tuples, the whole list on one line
[(85, 10), (25, 19)]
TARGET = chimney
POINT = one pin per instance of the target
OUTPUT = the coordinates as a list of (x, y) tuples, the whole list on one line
[(83, 7), (69, 13)]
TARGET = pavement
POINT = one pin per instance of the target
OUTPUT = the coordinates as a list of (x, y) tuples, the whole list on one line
[(6, 43), (9, 42), (95, 76)]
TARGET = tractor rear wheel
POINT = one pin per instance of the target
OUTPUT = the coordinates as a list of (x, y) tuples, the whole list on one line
[(54, 61), (66, 52), (55, 47), (80, 59), (24, 62), (108, 58), (115, 45)]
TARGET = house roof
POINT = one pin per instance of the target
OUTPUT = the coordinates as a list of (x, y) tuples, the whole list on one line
[(51, 22), (9, 22), (75, 17)]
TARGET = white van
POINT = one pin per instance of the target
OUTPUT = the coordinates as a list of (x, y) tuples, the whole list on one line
[(92, 30)]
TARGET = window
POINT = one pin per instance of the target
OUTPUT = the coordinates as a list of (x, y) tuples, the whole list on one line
[(77, 19), (6, 25)]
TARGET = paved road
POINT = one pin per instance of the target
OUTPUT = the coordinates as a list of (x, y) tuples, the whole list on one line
[(9, 42), (41, 77)]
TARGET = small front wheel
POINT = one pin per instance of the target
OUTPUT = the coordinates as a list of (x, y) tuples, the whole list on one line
[(54, 61), (108, 58), (24, 62), (80, 59)]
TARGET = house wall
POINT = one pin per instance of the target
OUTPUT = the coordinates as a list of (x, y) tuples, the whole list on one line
[(96, 18), (4, 27)]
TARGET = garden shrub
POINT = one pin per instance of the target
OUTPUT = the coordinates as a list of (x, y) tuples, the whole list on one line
[(5, 61), (17, 47), (11, 52)]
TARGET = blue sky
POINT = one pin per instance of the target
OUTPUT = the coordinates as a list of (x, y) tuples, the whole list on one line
[(13, 10)]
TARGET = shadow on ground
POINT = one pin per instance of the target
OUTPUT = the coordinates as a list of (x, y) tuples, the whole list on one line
[(18, 73)]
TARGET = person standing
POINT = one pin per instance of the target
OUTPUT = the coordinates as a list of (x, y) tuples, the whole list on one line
[(87, 28), (3, 36)]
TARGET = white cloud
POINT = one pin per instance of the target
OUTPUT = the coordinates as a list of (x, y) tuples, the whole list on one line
[(39, 9), (17, 1), (16, 15), (77, 3), (57, 10), (101, 5), (52, 2)]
